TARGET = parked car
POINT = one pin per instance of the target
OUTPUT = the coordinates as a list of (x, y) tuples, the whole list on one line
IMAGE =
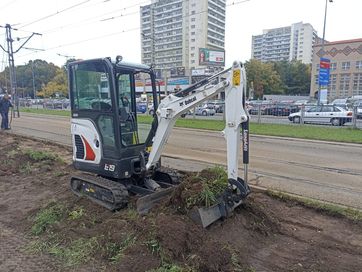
[(358, 104), (151, 111), (325, 114), (53, 104), (204, 110), (254, 106), (218, 106), (340, 102), (141, 107), (281, 109)]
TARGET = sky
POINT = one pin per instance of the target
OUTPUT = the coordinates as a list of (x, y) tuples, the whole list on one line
[(85, 29)]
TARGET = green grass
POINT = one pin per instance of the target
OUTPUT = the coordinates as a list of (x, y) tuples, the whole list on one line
[(116, 250), (76, 214), (46, 217), (331, 209), (311, 132), (214, 182), (37, 155), (46, 111), (169, 268), (79, 251)]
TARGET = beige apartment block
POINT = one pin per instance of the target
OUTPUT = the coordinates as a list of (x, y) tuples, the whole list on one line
[(345, 70)]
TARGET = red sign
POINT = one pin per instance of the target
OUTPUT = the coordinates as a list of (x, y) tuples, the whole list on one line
[(325, 63)]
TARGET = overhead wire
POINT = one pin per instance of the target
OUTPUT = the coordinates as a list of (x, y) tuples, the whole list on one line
[(93, 20), (127, 30), (54, 14), (8, 4)]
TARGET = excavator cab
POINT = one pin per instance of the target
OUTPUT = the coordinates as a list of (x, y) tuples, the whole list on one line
[(108, 138)]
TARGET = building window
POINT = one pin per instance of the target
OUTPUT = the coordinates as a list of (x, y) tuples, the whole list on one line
[(359, 64), (357, 84), (192, 26), (316, 79), (344, 84), (193, 19), (346, 65), (192, 33), (333, 66), (332, 87), (317, 67)]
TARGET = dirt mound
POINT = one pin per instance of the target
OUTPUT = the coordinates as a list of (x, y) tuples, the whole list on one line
[(263, 235), (199, 189)]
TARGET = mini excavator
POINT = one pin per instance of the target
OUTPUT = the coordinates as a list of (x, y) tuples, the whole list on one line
[(120, 155)]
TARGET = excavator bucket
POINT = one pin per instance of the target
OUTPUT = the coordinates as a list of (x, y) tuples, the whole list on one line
[(204, 216), (232, 198)]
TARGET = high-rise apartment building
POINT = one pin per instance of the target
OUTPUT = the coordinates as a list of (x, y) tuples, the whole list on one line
[(179, 36), (288, 43)]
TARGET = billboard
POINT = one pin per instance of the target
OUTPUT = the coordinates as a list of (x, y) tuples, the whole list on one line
[(178, 81), (211, 57), (177, 72)]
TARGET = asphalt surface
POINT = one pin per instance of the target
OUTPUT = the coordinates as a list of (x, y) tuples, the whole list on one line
[(326, 171)]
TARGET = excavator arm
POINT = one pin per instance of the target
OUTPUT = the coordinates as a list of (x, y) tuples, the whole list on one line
[(171, 108)]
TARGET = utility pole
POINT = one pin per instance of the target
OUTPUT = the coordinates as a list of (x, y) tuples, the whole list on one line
[(10, 51), (324, 35)]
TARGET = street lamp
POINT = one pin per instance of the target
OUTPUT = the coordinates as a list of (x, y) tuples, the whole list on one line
[(324, 34)]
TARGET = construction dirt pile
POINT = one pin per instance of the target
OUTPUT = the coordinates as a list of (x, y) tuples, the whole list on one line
[(43, 225)]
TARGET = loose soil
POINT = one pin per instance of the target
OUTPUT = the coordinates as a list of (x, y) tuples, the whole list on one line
[(266, 234)]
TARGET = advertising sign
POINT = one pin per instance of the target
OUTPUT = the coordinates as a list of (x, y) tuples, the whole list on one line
[(177, 72), (198, 72), (178, 81), (324, 67), (323, 98), (211, 57)]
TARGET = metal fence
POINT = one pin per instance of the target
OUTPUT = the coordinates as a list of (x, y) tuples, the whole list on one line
[(305, 115)]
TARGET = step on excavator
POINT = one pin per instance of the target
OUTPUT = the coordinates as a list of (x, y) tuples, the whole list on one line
[(120, 155)]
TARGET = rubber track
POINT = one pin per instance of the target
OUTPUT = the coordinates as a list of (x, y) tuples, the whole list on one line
[(118, 190)]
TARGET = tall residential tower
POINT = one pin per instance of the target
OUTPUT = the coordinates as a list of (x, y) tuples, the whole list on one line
[(288, 43), (182, 36)]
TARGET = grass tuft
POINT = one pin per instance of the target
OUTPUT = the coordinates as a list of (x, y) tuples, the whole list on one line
[(214, 181), (76, 214), (328, 208), (117, 250), (37, 155), (46, 217), (79, 251)]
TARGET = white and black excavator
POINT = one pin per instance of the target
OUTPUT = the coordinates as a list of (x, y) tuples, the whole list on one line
[(121, 155)]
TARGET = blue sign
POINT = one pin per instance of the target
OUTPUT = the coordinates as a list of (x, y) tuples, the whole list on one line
[(178, 81), (324, 68)]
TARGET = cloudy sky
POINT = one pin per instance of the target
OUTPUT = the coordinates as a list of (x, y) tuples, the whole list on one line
[(99, 28)]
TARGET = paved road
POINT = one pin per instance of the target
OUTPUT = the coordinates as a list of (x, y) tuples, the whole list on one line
[(321, 170)]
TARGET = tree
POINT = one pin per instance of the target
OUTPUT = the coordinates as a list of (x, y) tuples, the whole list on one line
[(42, 73), (57, 87), (264, 78), (295, 77)]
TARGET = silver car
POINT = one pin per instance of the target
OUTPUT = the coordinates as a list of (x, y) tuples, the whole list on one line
[(325, 114), (204, 110)]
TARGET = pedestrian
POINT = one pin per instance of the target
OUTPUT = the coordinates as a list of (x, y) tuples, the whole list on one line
[(5, 104)]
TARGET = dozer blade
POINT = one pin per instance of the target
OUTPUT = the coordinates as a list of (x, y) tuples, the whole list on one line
[(147, 202)]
